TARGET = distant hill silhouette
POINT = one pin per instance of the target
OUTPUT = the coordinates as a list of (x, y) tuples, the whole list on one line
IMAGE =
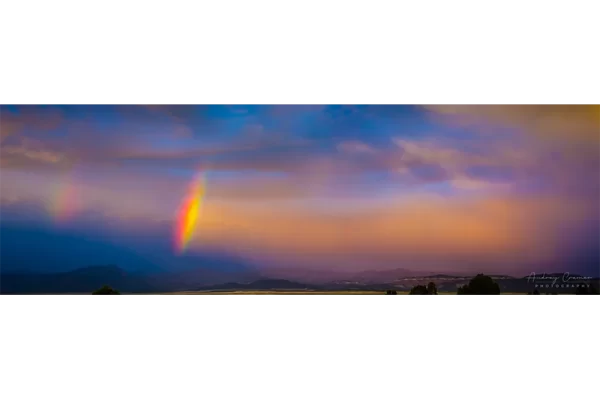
[(82, 280), (327, 276), (197, 277), (45, 251), (382, 276), (88, 279), (444, 276)]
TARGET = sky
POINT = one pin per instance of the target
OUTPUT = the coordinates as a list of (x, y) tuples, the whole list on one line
[(438, 188)]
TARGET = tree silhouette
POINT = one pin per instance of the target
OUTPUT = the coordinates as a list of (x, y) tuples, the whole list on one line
[(419, 289), (431, 288), (480, 284), (106, 290), (391, 292)]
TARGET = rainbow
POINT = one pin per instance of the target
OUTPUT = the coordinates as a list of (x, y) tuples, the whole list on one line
[(188, 214), (63, 202)]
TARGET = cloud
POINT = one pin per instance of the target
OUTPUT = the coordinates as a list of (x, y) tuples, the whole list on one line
[(24, 134), (571, 123), (549, 148), (82, 142), (173, 110), (28, 118), (355, 147), (9, 124), (158, 108), (253, 148), (479, 166), (467, 183), (430, 152), (29, 153), (287, 110)]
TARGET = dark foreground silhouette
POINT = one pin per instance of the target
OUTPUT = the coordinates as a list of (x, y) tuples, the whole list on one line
[(483, 284), (106, 290), (480, 284)]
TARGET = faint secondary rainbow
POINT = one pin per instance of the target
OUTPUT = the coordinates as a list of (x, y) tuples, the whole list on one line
[(189, 214), (63, 204)]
